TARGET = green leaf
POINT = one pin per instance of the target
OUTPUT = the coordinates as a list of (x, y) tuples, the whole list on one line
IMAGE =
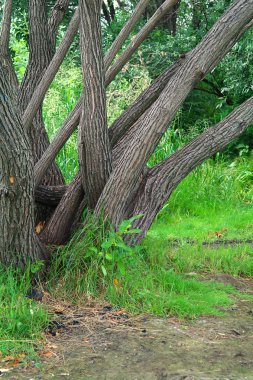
[(103, 270), (107, 244), (134, 231), (108, 256), (122, 268), (93, 249)]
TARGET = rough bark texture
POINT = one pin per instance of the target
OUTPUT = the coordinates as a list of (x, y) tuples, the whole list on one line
[(146, 133), (161, 180), (18, 242), (50, 195), (93, 141)]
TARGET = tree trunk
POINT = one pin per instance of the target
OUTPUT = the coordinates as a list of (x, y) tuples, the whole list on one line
[(93, 145), (18, 242)]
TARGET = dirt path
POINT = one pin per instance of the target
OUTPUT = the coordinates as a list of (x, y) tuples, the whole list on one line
[(102, 344)]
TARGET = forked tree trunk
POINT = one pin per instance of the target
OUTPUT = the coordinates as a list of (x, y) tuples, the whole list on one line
[(18, 242)]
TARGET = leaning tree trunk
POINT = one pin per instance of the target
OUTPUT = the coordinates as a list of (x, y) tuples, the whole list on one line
[(18, 242)]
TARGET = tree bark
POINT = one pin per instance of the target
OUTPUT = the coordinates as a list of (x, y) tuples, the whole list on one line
[(50, 195), (18, 242), (58, 229), (93, 141), (159, 183)]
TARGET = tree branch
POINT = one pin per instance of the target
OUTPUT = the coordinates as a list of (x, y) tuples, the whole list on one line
[(124, 33)]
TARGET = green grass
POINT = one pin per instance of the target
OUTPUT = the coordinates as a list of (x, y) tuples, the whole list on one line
[(21, 319)]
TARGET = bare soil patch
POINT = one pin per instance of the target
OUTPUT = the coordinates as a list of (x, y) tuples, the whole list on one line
[(101, 343)]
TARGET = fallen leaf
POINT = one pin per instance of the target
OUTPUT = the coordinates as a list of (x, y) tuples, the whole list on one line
[(40, 227), (8, 359), (46, 354), (52, 346)]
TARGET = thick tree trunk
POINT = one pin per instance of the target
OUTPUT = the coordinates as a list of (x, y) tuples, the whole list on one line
[(18, 242), (93, 141), (161, 180)]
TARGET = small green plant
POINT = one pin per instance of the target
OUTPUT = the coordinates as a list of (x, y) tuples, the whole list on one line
[(37, 266), (113, 251)]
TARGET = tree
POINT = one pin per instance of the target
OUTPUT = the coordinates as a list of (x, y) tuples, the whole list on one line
[(113, 178)]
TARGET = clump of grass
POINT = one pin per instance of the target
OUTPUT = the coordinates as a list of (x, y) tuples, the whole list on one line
[(21, 319)]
